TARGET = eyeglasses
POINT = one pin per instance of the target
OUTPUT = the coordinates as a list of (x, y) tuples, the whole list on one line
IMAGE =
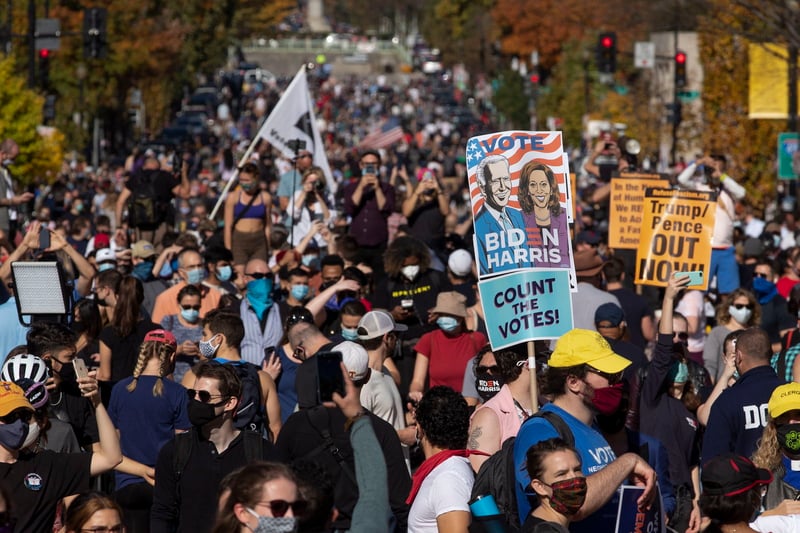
[(279, 507), (257, 275), (205, 396), (612, 378), (744, 306), (187, 307), (119, 528), (297, 316), (682, 335), (492, 369), (20, 414), (761, 275)]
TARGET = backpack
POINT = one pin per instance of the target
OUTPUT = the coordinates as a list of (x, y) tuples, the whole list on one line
[(497, 475), (250, 414), (253, 450), (783, 361), (144, 210)]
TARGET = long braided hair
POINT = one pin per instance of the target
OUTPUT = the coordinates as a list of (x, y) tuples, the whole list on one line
[(147, 351)]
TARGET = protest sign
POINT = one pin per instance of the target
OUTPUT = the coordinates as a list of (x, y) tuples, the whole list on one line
[(626, 206), (520, 193), (526, 306), (676, 235), (631, 519)]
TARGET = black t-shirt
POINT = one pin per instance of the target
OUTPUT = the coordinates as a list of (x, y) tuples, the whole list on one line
[(66, 404), (125, 350), (37, 482), (534, 524), (163, 185), (635, 308), (427, 223)]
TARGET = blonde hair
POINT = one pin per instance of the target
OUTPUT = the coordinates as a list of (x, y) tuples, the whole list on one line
[(150, 350), (768, 454)]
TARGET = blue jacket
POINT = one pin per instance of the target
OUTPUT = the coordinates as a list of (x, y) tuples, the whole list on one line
[(500, 259), (739, 415)]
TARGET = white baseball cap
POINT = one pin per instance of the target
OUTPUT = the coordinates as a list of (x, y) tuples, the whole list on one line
[(377, 323), (355, 359), (105, 254), (460, 263)]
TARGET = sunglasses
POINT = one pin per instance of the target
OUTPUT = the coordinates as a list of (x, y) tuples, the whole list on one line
[(743, 306), (205, 396), (682, 335), (295, 317), (20, 414), (187, 307), (761, 275), (492, 369), (613, 379), (258, 275), (279, 507)]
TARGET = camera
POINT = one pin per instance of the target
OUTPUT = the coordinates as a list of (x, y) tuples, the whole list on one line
[(371, 169), (296, 145)]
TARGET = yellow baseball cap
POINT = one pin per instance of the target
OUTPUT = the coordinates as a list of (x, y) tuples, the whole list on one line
[(585, 347), (12, 398), (784, 399)]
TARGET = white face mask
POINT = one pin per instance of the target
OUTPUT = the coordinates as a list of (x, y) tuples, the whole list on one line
[(33, 435), (742, 316), (410, 271)]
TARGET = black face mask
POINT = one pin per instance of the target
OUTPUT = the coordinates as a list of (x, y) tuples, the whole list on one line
[(78, 327), (201, 413), (488, 385), (789, 438)]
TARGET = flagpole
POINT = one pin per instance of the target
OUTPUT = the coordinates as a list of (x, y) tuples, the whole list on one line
[(235, 177)]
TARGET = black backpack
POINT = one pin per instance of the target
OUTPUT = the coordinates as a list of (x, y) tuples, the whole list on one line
[(144, 210), (250, 415), (253, 450), (497, 477)]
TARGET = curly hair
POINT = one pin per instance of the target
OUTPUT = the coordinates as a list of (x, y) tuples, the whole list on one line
[(510, 364), (443, 416), (555, 379), (724, 316), (768, 454), (401, 249), (524, 193)]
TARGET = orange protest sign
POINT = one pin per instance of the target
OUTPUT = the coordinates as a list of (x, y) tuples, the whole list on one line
[(676, 235), (626, 206)]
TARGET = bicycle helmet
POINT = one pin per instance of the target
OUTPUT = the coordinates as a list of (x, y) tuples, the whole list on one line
[(25, 366)]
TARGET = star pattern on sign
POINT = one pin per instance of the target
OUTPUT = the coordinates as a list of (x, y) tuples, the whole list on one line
[(474, 151)]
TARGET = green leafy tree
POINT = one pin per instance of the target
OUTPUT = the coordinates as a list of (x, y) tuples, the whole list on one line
[(511, 100)]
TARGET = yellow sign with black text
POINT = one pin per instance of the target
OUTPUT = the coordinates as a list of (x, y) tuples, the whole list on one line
[(626, 206)]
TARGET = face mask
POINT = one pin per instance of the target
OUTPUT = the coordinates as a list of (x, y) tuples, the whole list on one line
[(67, 372), (78, 327), (299, 292), (568, 495), (247, 186), (349, 334), (8, 162), (12, 436), (742, 316), (143, 271), (259, 295), (310, 261), (186, 210), (410, 271), (196, 276), (166, 270), (487, 385), (105, 266), (201, 413), (33, 434), (190, 315), (789, 438), (174, 265), (447, 323), (606, 400), (678, 373), (274, 524), (207, 349), (224, 273)]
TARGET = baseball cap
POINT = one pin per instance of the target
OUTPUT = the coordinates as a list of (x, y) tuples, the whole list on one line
[(784, 399), (460, 263), (588, 236), (161, 335), (609, 312), (105, 254), (730, 474), (584, 347), (102, 240), (377, 323), (355, 359), (12, 398), (142, 249)]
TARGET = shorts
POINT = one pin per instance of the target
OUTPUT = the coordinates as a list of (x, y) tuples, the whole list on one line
[(247, 246)]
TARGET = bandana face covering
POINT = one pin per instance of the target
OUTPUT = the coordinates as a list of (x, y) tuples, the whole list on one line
[(568, 495)]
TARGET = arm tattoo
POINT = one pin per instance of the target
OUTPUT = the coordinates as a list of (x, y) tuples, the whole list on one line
[(474, 435)]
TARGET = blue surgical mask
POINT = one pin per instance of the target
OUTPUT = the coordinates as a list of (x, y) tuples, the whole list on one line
[(447, 323), (299, 292), (274, 524), (224, 273), (166, 270), (196, 276), (310, 260), (190, 315), (12, 435), (259, 295), (102, 267), (349, 334)]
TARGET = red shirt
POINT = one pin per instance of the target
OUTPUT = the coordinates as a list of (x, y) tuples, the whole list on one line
[(448, 356), (785, 285)]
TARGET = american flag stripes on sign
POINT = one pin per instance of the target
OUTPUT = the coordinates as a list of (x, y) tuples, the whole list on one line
[(383, 136)]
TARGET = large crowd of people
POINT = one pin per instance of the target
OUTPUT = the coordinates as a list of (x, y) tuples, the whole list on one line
[(183, 390)]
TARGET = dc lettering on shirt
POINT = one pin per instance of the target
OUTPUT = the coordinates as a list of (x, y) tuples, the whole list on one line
[(755, 416)]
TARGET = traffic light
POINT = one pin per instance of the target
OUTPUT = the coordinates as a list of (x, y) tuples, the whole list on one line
[(44, 67), (674, 113), (49, 112), (680, 68), (607, 53), (95, 44)]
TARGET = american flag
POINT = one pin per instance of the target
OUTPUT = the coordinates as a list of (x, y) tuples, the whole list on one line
[(383, 136)]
